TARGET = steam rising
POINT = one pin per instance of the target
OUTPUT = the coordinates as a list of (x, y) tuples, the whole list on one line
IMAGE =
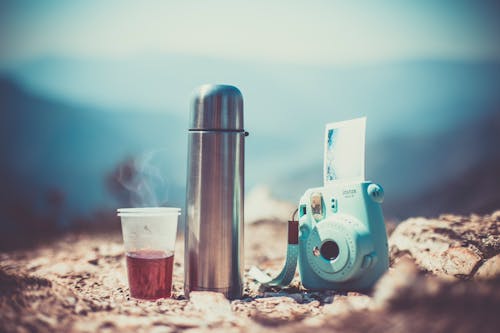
[(145, 179)]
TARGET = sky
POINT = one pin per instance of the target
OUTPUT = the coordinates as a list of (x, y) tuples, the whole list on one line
[(293, 32)]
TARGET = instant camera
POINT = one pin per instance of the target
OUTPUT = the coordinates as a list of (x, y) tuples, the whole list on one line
[(340, 238)]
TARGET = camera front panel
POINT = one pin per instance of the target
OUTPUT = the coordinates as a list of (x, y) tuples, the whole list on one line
[(342, 240)]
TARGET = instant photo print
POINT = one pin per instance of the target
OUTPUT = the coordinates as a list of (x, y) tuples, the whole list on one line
[(344, 156)]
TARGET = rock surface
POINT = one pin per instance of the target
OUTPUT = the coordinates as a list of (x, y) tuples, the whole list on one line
[(450, 246), (444, 277)]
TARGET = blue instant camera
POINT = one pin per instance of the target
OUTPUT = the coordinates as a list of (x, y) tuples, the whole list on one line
[(342, 237)]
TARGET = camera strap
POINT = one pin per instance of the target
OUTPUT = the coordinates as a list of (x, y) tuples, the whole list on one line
[(288, 272)]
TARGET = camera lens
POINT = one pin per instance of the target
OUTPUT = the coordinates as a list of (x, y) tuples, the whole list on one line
[(329, 250)]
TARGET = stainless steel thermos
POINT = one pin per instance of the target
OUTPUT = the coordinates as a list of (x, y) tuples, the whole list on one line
[(215, 186)]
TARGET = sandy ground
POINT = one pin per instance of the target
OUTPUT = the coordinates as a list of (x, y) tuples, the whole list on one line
[(79, 284)]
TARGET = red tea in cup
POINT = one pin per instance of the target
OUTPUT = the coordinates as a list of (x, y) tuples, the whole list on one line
[(150, 273)]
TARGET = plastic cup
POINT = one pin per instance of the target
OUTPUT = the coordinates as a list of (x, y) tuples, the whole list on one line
[(149, 239)]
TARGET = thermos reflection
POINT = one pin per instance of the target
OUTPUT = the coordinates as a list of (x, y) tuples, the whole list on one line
[(215, 189)]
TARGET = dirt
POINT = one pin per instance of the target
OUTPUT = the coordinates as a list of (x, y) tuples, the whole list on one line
[(79, 284)]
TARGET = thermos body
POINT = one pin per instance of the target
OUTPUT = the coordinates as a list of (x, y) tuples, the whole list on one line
[(215, 189)]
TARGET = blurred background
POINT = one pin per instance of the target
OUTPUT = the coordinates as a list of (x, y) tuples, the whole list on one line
[(95, 98)]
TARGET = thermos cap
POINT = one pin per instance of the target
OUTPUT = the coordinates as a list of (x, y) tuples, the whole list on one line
[(217, 107)]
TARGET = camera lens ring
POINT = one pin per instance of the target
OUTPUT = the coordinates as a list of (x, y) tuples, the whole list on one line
[(346, 231), (320, 234), (329, 250)]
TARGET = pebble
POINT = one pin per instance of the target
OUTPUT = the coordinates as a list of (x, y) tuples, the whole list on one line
[(93, 261), (70, 300), (459, 261), (184, 322), (489, 269)]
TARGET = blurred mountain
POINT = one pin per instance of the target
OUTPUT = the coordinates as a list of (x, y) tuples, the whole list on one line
[(68, 126), (408, 104), (409, 97), (57, 158), (463, 164)]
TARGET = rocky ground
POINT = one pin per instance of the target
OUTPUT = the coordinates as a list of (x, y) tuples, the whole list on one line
[(444, 277)]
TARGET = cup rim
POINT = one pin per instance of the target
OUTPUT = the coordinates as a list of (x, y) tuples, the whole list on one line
[(148, 211)]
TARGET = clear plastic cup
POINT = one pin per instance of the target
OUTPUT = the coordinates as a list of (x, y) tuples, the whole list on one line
[(149, 239)]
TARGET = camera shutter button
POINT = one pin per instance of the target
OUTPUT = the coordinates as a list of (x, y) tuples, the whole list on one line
[(376, 192)]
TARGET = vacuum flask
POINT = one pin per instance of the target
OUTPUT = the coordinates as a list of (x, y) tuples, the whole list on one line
[(215, 188)]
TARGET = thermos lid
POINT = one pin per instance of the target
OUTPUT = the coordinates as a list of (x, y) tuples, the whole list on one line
[(217, 107)]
